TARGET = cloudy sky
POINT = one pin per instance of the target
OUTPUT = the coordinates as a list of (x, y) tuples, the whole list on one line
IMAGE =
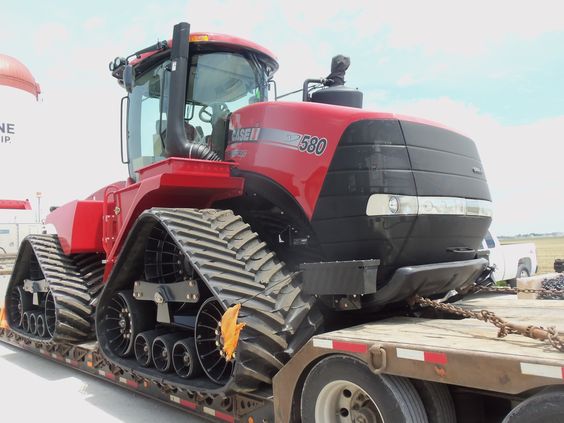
[(493, 70)]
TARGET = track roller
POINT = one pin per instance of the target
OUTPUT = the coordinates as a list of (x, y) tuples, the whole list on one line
[(26, 321), (143, 346), (33, 321), (40, 328), (162, 351), (185, 359)]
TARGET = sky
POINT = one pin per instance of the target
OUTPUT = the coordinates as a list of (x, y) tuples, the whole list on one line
[(492, 70)]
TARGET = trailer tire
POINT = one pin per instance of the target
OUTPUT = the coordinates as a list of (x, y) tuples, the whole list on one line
[(341, 386), (437, 401), (545, 407)]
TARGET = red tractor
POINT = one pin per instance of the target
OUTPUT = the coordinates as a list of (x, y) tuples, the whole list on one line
[(246, 226)]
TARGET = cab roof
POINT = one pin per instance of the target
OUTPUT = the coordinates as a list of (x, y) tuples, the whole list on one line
[(203, 38)]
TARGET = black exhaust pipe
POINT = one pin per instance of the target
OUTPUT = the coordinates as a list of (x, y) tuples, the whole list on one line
[(176, 143)]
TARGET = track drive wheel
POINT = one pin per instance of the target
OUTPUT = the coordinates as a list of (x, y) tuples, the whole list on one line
[(125, 318), (341, 389)]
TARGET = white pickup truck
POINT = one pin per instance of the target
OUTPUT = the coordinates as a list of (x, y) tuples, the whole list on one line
[(511, 261)]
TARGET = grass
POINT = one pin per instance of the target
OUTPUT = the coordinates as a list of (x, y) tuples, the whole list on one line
[(548, 249)]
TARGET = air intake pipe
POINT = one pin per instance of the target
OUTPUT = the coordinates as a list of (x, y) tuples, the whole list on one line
[(176, 143)]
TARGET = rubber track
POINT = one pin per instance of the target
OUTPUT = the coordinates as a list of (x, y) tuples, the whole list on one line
[(75, 283), (239, 268)]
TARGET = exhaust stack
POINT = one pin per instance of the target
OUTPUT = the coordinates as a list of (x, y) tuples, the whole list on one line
[(176, 142)]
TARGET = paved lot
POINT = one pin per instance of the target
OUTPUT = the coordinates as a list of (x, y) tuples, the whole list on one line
[(44, 391)]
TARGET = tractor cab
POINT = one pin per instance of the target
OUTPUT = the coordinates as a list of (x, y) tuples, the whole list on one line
[(221, 74)]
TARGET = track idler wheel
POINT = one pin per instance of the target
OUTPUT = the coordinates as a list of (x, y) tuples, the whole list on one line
[(125, 318), (40, 328), (143, 346), (162, 351), (209, 343), (26, 321), (33, 322), (185, 359), (21, 301)]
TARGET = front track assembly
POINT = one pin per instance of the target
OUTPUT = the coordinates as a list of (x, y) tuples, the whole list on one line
[(179, 270)]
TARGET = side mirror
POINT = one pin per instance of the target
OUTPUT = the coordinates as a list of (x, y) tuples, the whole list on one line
[(128, 78)]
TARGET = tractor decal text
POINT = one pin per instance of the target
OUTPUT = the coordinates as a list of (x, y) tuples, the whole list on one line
[(304, 143), (245, 134), (312, 145)]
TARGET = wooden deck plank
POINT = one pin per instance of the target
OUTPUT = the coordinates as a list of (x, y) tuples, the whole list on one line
[(468, 334)]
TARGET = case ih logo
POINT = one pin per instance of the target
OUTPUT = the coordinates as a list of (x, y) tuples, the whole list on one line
[(245, 134), (6, 132)]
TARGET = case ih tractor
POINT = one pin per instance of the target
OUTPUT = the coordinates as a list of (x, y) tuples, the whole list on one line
[(246, 226)]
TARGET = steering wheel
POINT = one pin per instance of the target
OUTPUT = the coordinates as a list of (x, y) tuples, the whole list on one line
[(206, 115)]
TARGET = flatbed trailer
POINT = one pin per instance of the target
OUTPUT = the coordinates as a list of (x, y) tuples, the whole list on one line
[(486, 375)]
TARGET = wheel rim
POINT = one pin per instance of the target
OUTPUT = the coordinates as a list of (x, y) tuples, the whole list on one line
[(32, 323), (524, 273), (209, 343), (163, 259), (25, 321), (142, 350), (17, 306), (119, 326), (50, 313), (40, 325), (342, 401), (182, 359), (161, 355)]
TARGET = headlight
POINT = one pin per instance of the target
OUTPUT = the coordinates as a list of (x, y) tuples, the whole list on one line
[(409, 205), (393, 205)]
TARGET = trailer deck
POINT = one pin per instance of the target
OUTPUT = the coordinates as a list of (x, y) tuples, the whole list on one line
[(462, 352)]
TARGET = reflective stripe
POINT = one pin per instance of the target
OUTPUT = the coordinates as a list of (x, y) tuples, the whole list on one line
[(339, 345), (426, 356), (554, 372), (379, 205)]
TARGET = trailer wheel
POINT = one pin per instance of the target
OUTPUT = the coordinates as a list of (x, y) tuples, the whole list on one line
[(544, 407), (342, 389), (437, 401)]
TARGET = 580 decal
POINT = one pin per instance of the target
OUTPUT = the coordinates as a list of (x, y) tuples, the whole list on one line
[(312, 145)]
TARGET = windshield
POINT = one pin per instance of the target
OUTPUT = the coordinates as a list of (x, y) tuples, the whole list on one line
[(219, 83)]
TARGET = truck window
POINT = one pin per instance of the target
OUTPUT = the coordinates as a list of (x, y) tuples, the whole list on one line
[(489, 240)]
